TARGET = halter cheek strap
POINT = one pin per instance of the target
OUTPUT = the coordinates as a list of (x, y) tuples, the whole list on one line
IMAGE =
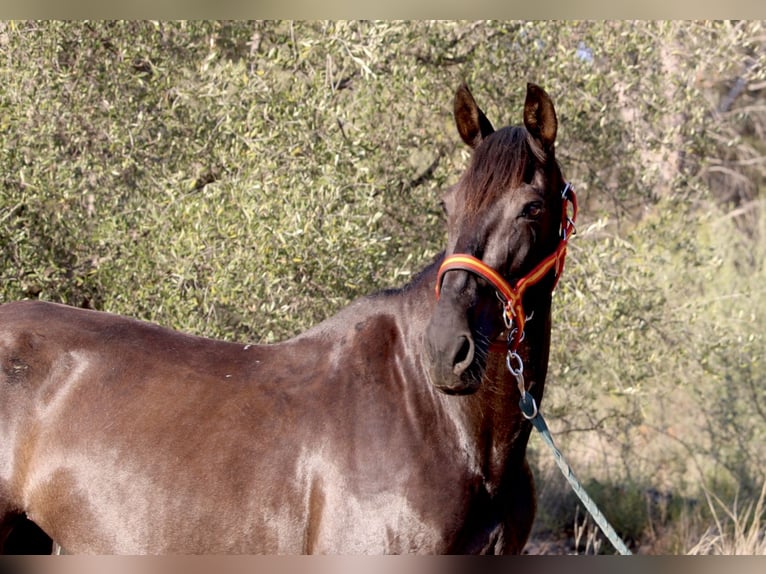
[(512, 296)]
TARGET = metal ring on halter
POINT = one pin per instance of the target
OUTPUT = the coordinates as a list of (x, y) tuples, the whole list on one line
[(512, 335), (570, 225), (506, 306), (513, 355)]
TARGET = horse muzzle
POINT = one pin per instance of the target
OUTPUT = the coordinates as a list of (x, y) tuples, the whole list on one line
[(452, 355)]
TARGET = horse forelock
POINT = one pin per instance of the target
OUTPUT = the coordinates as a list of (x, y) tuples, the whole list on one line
[(503, 161)]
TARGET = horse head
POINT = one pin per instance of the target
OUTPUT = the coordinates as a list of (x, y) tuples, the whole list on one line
[(505, 212)]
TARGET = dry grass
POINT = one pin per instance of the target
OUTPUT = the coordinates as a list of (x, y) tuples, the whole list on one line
[(737, 531)]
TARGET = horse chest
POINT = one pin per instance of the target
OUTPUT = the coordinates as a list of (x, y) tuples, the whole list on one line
[(443, 514)]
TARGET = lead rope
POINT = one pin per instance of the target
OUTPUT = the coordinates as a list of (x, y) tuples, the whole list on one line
[(530, 411)]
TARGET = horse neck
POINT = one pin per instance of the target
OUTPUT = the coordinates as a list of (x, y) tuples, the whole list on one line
[(488, 424), (491, 417)]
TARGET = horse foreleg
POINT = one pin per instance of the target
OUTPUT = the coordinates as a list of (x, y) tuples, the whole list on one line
[(19, 535), (523, 507)]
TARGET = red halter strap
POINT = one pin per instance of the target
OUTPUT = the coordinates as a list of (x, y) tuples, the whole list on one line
[(512, 296)]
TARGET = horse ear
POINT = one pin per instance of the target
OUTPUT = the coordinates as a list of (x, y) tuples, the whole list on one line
[(472, 124), (540, 117)]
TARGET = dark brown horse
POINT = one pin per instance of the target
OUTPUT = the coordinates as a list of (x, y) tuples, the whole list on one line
[(392, 427)]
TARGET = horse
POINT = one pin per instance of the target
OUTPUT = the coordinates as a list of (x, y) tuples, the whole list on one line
[(391, 427)]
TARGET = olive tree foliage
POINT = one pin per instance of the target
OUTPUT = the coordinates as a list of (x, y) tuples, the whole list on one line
[(232, 179), (657, 372), (244, 180)]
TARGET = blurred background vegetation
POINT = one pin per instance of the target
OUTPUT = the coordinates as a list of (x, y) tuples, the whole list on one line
[(244, 180)]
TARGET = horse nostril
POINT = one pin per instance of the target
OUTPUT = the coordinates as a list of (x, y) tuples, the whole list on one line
[(464, 355)]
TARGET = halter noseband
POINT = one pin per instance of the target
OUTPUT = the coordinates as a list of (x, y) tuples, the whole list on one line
[(511, 296)]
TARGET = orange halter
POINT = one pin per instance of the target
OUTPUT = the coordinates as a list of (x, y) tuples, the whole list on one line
[(511, 296)]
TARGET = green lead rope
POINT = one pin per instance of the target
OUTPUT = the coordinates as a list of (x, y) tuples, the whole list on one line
[(529, 409)]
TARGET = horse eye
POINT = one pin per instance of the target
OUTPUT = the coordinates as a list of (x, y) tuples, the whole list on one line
[(533, 210)]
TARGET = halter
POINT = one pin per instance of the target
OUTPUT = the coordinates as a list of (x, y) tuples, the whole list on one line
[(512, 296)]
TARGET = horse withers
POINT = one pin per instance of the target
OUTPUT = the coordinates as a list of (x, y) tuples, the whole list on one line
[(392, 427)]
